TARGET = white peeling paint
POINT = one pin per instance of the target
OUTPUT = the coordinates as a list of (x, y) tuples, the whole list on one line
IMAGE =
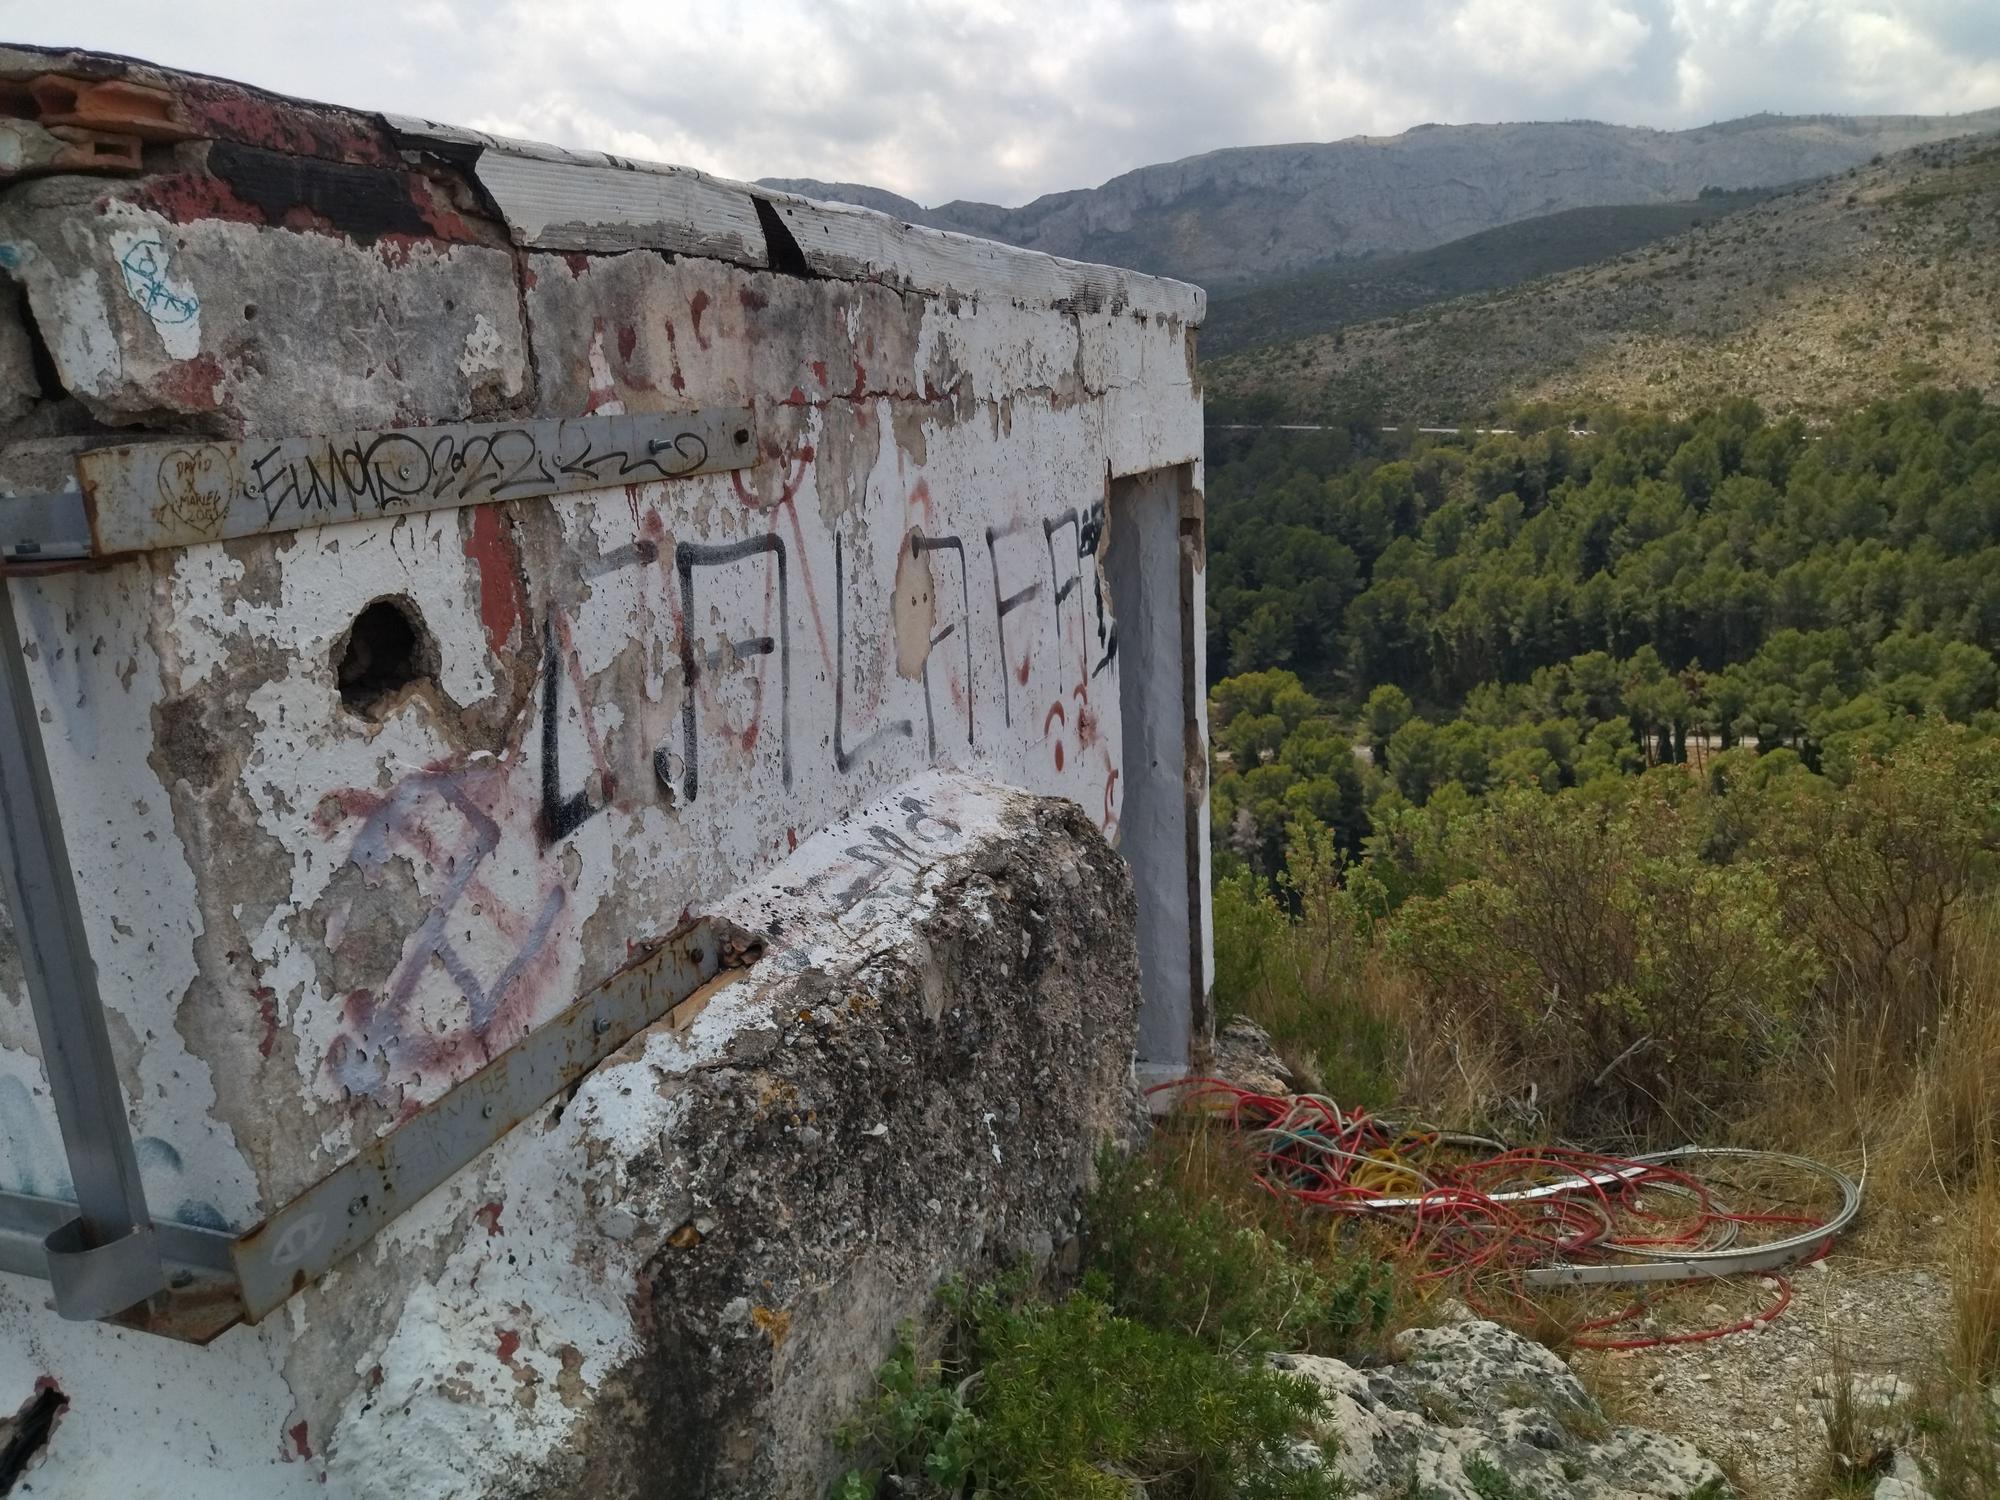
[(483, 350)]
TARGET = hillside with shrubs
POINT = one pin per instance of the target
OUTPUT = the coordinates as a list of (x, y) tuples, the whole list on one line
[(1830, 294), (1638, 787)]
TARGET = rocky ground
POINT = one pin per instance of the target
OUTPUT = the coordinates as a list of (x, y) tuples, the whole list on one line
[(1472, 1411), (1757, 1401)]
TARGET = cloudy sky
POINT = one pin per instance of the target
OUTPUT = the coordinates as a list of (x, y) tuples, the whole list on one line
[(1005, 99)]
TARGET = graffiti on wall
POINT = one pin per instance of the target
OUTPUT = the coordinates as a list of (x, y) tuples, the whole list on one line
[(739, 628)]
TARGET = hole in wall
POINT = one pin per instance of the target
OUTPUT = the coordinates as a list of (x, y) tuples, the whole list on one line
[(781, 250), (26, 1433), (48, 379), (386, 652)]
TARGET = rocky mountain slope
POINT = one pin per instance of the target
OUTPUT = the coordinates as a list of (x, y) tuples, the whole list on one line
[(1239, 215), (1835, 292), (1359, 291)]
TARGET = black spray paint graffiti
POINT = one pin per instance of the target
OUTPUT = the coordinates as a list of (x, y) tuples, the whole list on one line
[(1088, 527), (843, 757), (889, 853), (1004, 606), (687, 557), (380, 472), (920, 545), (564, 811), (562, 814)]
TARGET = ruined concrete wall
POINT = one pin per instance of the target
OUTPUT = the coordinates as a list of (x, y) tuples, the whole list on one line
[(330, 870), (678, 1281)]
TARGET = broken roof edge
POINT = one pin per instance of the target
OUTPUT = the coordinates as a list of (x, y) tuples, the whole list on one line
[(561, 199), (692, 212)]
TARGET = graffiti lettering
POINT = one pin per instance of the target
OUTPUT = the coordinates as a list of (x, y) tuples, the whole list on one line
[(919, 546), (687, 557), (889, 854), (844, 758), (562, 814), (390, 471), (1003, 606), (1090, 531)]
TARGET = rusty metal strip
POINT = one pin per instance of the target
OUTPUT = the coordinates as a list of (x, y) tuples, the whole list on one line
[(344, 1210), (144, 496)]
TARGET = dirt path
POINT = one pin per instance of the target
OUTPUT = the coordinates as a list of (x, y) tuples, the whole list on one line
[(1749, 1400)]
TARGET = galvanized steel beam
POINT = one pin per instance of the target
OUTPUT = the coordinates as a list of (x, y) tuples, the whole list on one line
[(105, 1258)]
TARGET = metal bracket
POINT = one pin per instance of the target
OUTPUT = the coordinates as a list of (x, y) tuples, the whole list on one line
[(104, 1259), (210, 1280), (139, 497), (44, 528)]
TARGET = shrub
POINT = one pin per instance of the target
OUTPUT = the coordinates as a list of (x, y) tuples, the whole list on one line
[(1186, 1263), (1070, 1401), (1872, 872), (1603, 957), (1299, 961)]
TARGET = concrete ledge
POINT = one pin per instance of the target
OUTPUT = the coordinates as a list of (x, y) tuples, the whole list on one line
[(919, 1099)]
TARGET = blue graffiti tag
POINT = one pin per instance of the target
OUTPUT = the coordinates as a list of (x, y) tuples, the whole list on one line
[(145, 268)]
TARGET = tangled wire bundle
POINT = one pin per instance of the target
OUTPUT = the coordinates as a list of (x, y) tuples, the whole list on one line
[(1486, 1216)]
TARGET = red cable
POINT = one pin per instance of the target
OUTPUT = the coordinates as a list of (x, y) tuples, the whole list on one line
[(1457, 1227)]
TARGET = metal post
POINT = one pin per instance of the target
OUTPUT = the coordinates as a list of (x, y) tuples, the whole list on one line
[(106, 1259)]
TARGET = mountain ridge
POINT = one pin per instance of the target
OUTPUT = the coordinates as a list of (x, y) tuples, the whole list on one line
[(1240, 214), (1832, 293)]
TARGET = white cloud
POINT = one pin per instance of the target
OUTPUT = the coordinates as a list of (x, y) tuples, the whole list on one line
[(1006, 99)]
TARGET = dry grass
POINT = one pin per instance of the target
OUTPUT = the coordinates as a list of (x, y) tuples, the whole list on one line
[(1856, 1455), (1963, 1420), (1923, 1125), (1975, 1278)]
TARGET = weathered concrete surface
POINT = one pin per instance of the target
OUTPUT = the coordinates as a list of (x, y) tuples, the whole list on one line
[(19, 386), (312, 918), (326, 877), (678, 1281), (211, 323)]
